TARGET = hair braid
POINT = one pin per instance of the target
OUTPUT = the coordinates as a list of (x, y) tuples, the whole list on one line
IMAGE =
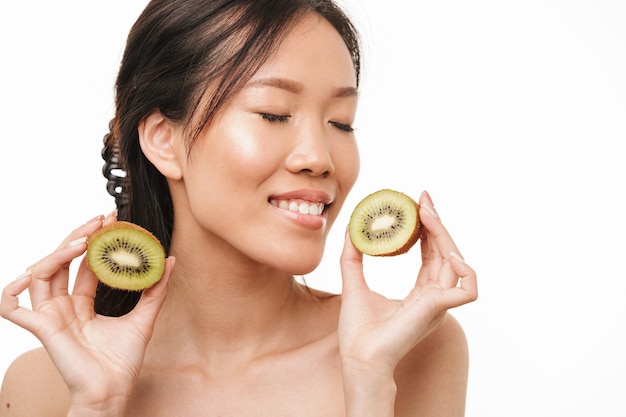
[(113, 169)]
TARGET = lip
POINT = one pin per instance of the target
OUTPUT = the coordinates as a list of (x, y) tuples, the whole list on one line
[(315, 196), (308, 221)]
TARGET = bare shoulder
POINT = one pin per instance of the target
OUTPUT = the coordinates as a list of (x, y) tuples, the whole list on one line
[(33, 387), (433, 377)]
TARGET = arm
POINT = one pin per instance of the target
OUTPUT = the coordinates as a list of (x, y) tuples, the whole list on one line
[(98, 370), (432, 379), (378, 336), (32, 386)]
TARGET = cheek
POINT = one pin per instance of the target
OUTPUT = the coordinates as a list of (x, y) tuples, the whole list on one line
[(241, 150), (347, 164), (232, 155)]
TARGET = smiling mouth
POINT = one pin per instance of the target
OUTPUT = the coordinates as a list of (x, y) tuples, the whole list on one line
[(299, 206)]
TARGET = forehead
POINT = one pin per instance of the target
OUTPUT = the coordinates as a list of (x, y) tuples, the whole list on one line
[(312, 48)]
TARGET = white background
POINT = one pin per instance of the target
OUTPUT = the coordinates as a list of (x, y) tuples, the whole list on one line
[(511, 113)]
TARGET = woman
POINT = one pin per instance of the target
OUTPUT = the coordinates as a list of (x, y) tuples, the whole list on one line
[(224, 109)]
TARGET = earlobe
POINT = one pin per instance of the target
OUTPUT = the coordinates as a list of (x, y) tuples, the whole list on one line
[(156, 138)]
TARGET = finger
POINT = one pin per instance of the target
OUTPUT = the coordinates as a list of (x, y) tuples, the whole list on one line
[(86, 281), (110, 218), (468, 282), (50, 275), (79, 233), (466, 291), (77, 238), (351, 262), (436, 245), (440, 241), (145, 312), (10, 305), (10, 301)]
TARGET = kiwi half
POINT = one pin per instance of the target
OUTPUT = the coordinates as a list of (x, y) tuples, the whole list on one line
[(125, 256), (385, 223)]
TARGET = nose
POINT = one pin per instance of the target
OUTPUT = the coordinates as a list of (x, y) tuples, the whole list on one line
[(311, 153)]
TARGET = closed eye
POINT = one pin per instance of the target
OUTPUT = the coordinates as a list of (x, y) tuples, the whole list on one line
[(275, 118), (343, 126)]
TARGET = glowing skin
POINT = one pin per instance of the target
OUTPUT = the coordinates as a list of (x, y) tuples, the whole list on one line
[(228, 330), (270, 174)]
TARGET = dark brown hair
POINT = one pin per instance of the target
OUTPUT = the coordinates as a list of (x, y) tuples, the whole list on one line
[(175, 51)]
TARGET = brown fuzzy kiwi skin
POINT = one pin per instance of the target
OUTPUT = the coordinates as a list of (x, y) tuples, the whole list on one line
[(413, 238), (117, 225)]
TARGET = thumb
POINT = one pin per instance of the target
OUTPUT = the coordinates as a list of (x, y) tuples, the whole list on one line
[(351, 266), (145, 312)]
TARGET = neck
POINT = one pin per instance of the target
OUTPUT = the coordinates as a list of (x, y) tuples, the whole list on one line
[(218, 312)]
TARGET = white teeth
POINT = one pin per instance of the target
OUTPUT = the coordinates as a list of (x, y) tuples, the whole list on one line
[(298, 206)]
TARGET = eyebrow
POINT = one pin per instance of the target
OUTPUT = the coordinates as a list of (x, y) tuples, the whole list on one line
[(295, 87)]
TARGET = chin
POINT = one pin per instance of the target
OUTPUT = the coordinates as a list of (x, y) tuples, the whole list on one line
[(302, 272), (300, 265), (302, 268), (291, 256)]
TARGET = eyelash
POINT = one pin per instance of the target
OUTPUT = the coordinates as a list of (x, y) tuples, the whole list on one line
[(342, 126), (275, 118), (284, 119)]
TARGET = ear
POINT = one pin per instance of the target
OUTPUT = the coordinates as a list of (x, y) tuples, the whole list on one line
[(158, 142)]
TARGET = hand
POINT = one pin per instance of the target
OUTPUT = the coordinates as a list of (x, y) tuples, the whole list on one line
[(375, 333), (98, 357)]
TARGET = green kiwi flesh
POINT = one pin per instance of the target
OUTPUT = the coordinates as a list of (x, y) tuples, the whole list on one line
[(385, 223), (125, 256)]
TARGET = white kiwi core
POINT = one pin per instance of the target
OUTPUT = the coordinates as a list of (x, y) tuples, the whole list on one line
[(383, 223), (125, 258)]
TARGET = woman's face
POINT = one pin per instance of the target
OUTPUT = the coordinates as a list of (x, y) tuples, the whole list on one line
[(270, 174)]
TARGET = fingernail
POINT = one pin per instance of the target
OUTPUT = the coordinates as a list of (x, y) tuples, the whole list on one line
[(427, 195), (77, 241), (457, 256), (24, 275), (430, 210), (99, 217)]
